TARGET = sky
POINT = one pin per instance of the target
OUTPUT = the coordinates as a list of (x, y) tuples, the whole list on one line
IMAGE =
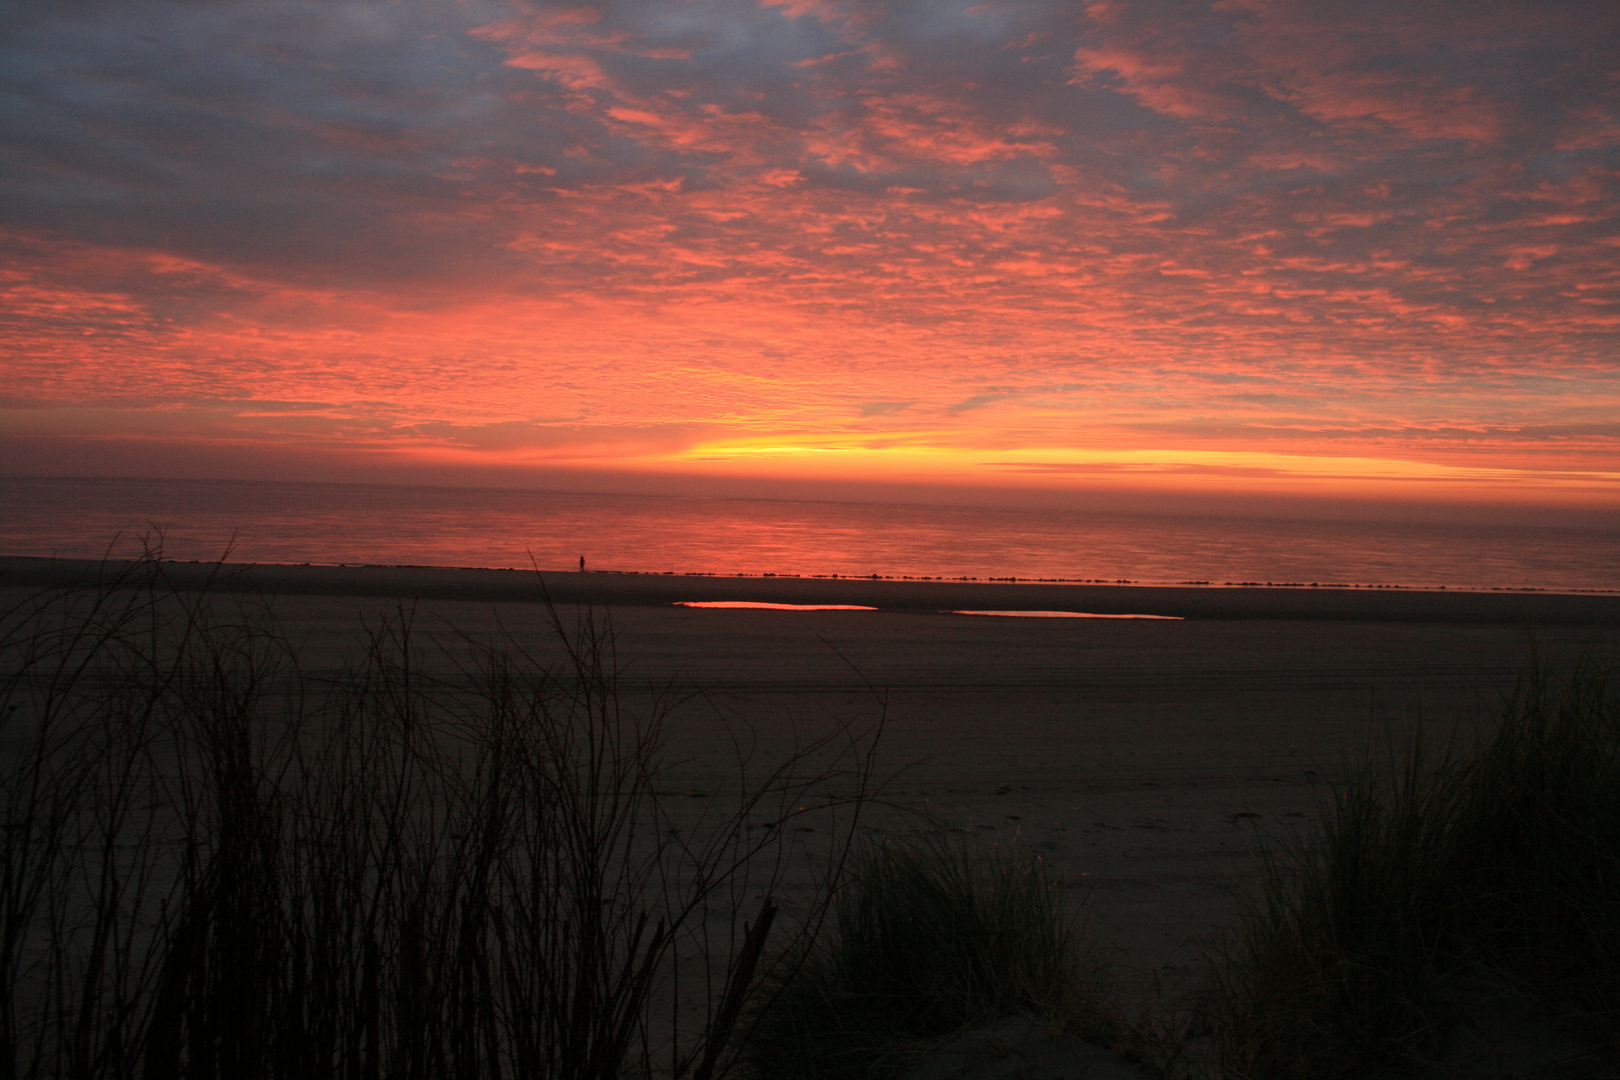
[(1242, 247)]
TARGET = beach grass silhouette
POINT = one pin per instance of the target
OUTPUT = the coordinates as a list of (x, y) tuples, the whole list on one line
[(1441, 893), (219, 862), (931, 936)]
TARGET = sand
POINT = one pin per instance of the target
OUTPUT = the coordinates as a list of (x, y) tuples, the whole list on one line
[(1307, 601), (1142, 758)]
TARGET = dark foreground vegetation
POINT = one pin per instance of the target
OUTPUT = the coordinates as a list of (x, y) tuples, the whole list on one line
[(1445, 901), (216, 865), (220, 864), (927, 939)]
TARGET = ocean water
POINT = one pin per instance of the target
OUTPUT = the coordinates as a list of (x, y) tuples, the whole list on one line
[(361, 524)]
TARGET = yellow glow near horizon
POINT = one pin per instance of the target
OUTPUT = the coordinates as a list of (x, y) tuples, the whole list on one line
[(1066, 465)]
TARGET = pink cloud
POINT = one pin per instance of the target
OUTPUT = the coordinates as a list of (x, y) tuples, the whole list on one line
[(1160, 225)]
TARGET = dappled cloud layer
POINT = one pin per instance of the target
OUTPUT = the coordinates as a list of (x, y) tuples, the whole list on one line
[(1242, 243)]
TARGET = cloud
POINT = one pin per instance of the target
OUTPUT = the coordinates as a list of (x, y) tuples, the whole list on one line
[(885, 408), (570, 440), (444, 220), (1115, 468), (982, 401)]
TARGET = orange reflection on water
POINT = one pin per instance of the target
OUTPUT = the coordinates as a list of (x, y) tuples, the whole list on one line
[(771, 607), (1064, 615)]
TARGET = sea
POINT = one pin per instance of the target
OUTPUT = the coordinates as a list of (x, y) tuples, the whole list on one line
[(360, 524)]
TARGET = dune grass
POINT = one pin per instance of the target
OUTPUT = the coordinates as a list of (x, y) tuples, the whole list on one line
[(1436, 882), (928, 938), (217, 864)]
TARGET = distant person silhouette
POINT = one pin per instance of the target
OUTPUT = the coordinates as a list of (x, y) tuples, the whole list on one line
[(582, 564)]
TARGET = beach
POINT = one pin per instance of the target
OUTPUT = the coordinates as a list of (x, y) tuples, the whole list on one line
[(1313, 601), (1142, 758)]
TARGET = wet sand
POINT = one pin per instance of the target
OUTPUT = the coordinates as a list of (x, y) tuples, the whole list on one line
[(1310, 601), (1141, 757)]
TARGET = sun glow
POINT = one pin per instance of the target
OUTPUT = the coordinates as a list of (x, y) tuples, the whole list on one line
[(1123, 257), (1189, 468)]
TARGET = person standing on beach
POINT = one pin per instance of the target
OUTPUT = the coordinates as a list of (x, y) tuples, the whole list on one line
[(582, 564)]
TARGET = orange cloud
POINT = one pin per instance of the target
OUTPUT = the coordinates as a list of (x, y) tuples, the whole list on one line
[(835, 239)]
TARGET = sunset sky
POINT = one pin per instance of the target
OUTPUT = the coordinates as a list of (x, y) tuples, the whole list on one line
[(1318, 248)]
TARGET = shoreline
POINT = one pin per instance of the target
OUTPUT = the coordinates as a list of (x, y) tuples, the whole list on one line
[(618, 589)]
